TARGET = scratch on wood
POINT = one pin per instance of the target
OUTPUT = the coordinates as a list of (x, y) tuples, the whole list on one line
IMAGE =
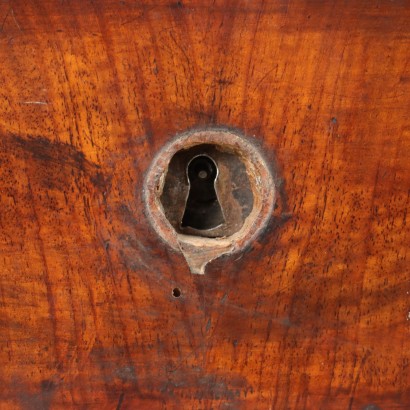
[(15, 20), (120, 400), (356, 380), (4, 20), (34, 102), (10, 10)]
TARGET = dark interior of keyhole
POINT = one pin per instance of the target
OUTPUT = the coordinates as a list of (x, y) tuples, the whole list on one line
[(202, 210)]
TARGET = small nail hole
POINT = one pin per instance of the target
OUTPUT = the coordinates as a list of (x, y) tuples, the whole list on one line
[(176, 293)]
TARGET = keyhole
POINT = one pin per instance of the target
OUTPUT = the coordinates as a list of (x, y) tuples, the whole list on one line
[(202, 210)]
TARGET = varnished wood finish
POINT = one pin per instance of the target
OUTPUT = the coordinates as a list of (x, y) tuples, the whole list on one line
[(314, 316)]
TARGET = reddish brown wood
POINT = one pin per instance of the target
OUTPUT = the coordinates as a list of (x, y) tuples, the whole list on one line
[(314, 316)]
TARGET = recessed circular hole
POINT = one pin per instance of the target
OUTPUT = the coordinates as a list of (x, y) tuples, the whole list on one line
[(203, 167), (244, 188), (202, 174), (176, 292)]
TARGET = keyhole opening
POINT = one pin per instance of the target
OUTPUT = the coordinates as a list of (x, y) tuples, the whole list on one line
[(203, 210)]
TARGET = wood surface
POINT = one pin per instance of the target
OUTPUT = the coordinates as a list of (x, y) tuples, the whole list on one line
[(315, 315)]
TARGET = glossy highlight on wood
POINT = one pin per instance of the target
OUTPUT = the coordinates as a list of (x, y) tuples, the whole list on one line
[(97, 312)]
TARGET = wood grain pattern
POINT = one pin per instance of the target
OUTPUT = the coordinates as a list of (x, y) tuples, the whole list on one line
[(314, 316)]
